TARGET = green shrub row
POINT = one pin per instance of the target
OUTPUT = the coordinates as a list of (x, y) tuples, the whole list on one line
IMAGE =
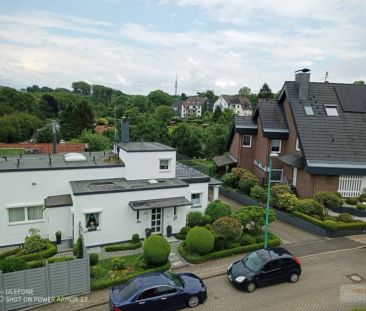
[(122, 247), (10, 252), (50, 251), (99, 284), (224, 253), (42, 263)]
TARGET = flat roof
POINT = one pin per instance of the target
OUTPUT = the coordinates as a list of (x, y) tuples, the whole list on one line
[(99, 186), (57, 162), (159, 203), (190, 174), (144, 147), (58, 201)]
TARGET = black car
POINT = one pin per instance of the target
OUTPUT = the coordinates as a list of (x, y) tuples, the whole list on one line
[(264, 267), (158, 291)]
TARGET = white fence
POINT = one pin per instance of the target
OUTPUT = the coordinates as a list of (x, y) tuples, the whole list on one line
[(350, 186)]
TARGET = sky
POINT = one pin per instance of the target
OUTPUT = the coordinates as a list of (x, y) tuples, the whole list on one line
[(138, 46)]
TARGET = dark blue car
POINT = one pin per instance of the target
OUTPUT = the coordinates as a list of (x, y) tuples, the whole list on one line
[(158, 291)]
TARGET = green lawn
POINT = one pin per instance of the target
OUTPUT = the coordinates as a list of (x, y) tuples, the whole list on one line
[(11, 151)]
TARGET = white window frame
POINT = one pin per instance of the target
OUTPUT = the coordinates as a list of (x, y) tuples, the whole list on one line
[(250, 142), (297, 147), (332, 109), (169, 165), (25, 207), (280, 146), (195, 205), (276, 169), (94, 211)]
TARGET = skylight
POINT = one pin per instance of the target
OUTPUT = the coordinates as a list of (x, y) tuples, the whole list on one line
[(74, 157), (331, 111), (309, 110)]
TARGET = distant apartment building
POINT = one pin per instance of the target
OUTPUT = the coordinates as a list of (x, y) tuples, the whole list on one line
[(191, 107), (240, 105)]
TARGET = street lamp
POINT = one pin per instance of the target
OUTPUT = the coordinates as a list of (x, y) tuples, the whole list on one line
[(272, 155)]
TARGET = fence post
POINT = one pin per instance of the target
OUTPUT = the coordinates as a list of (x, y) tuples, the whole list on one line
[(48, 285), (2, 293)]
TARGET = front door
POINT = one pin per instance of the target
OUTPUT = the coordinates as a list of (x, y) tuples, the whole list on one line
[(156, 220)]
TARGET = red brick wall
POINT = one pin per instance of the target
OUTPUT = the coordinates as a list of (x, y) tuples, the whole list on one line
[(234, 147), (47, 148)]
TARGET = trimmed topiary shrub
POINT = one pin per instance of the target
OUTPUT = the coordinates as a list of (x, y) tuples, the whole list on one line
[(258, 193), (351, 201), (278, 189), (361, 206), (331, 225), (362, 196), (345, 217), (77, 248), (328, 199), (135, 238), (246, 185), (156, 250), (199, 241), (8, 253), (208, 227), (194, 218), (94, 259), (49, 251), (13, 264), (309, 207), (286, 202), (117, 263), (33, 242), (122, 247), (230, 180), (253, 217), (218, 209), (228, 228), (206, 220)]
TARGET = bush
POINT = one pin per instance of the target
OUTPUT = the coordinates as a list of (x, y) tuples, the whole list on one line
[(50, 251), (247, 239), (135, 238), (34, 242), (194, 219), (286, 202), (42, 263), (253, 217), (8, 253), (122, 247), (331, 225), (13, 264), (362, 196), (199, 241), (117, 263), (94, 259), (328, 199), (309, 207), (228, 228), (206, 220), (361, 206), (218, 209), (77, 249), (278, 189), (156, 249), (230, 180), (328, 217), (208, 227), (246, 185), (142, 262), (96, 272), (345, 217), (182, 233), (351, 201), (258, 193)]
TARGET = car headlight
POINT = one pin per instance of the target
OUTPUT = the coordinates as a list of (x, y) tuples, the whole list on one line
[(240, 279)]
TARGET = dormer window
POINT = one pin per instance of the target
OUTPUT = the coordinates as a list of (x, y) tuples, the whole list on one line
[(309, 110), (331, 111)]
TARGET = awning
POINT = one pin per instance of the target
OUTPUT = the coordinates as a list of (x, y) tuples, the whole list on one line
[(225, 159), (58, 201), (159, 203), (215, 182), (293, 160)]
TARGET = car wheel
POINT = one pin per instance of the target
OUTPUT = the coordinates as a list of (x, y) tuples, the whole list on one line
[(294, 277), (250, 288), (193, 301)]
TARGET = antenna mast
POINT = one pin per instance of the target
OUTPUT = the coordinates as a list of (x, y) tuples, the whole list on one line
[(176, 85)]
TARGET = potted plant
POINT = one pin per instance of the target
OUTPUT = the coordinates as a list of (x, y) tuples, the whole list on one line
[(169, 230), (147, 232), (58, 237)]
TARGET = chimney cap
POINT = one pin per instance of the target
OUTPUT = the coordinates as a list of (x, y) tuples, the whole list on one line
[(304, 70)]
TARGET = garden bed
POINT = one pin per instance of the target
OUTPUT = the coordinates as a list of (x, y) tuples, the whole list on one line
[(350, 210), (104, 276)]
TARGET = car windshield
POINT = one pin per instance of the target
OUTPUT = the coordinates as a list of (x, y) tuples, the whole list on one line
[(175, 279), (253, 262), (127, 291)]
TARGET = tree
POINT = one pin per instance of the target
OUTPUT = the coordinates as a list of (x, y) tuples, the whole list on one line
[(183, 96), (186, 140), (75, 118), (228, 228), (33, 88), (101, 94), (19, 101), (216, 140), (359, 82), (217, 113), (164, 113), (44, 135), (253, 217), (81, 87), (148, 128), (97, 142), (157, 98), (210, 95), (245, 91), (137, 101), (265, 92), (49, 106)]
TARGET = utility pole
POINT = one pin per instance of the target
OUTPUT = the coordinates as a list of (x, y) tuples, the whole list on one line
[(176, 85)]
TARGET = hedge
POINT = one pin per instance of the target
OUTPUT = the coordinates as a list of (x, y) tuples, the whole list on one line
[(8, 253), (122, 247), (99, 284), (42, 263), (50, 251), (224, 253), (330, 227)]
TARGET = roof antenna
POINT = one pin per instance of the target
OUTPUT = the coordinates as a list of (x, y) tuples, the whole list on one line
[(304, 70), (326, 77)]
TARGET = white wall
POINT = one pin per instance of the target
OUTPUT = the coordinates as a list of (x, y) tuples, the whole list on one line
[(198, 188), (59, 219), (220, 102), (146, 165), (17, 189)]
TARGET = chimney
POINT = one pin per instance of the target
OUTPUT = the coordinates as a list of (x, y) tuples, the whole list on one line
[(125, 130), (302, 81)]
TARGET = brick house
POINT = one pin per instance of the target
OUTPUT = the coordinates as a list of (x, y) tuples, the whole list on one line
[(318, 131)]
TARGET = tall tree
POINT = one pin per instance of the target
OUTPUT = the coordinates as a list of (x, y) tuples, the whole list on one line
[(164, 113), (19, 100), (81, 87), (158, 98), (265, 92), (102, 94), (245, 91), (148, 128), (137, 101), (49, 106), (216, 140), (359, 82), (217, 113), (187, 141)]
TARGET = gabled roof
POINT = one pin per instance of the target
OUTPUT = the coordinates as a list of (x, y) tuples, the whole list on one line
[(242, 125), (194, 101), (225, 159), (331, 145), (238, 100)]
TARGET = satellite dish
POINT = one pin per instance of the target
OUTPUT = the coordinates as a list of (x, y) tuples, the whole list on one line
[(304, 70)]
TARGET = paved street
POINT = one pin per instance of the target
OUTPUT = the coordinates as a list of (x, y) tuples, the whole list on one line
[(318, 289)]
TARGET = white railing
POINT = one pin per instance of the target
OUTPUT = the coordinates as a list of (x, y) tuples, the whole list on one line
[(349, 186)]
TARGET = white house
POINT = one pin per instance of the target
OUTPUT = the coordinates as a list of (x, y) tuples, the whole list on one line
[(240, 105), (106, 196)]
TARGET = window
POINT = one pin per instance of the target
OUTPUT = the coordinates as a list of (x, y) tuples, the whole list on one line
[(92, 221), (276, 175), (271, 266), (164, 165), (196, 199), (309, 110), (276, 146), (28, 213), (247, 141), (149, 293), (331, 111), (297, 145), (166, 290)]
